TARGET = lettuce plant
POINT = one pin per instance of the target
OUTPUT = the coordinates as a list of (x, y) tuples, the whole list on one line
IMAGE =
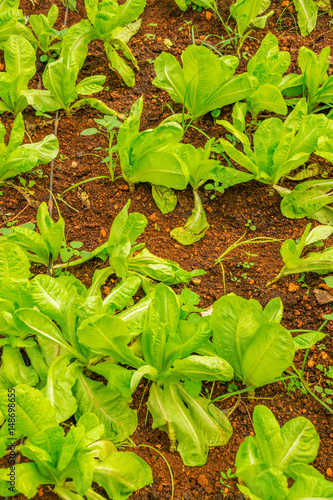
[(205, 82), (59, 80), (20, 59), (318, 85), (10, 18), (16, 157), (156, 156), (68, 463), (43, 247), (253, 341), (320, 262), (266, 461), (119, 249), (42, 316), (248, 15), (199, 169), (150, 156), (167, 344), (115, 25), (268, 65), (278, 148), (309, 199), (46, 39)]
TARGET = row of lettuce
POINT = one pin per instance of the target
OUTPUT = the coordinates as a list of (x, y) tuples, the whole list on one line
[(115, 25), (158, 156), (74, 339)]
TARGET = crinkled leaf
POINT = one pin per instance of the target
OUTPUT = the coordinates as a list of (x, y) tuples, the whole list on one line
[(111, 409), (165, 198)]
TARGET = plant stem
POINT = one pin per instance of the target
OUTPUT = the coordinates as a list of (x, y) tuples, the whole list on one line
[(167, 463)]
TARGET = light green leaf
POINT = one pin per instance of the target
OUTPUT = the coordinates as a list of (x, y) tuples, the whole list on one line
[(119, 65), (47, 149), (50, 440), (118, 377), (307, 199), (121, 474), (195, 227), (266, 98), (273, 483), (108, 335), (17, 134), (16, 370), (235, 322), (17, 162), (130, 11), (14, 264), (58, 389), (245, 12), (309, 487), (33, 412), (27, 480), (202, 368), (70, 445), (274, 310), (135, 316), (121, 294), (165, 198), (167, 271), (90, 85), (307, 12), (20, 57), (307, 340), (111, 409), (34, 245), (268, 354), (49, 296), (249, 462), (182, 428), (95, 104), (300, 442), (268, 436), (75, 43), (35, 323), (212, 421)]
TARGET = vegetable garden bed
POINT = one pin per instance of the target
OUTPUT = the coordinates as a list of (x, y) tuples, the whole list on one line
[(236, 206)]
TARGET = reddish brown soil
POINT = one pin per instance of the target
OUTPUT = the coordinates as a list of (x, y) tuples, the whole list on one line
[(227, 215)]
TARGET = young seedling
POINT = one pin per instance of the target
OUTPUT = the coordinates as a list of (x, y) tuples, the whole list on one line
[(67, 252), (107, 126), (151, 35), (225, 477), (250, 225)]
